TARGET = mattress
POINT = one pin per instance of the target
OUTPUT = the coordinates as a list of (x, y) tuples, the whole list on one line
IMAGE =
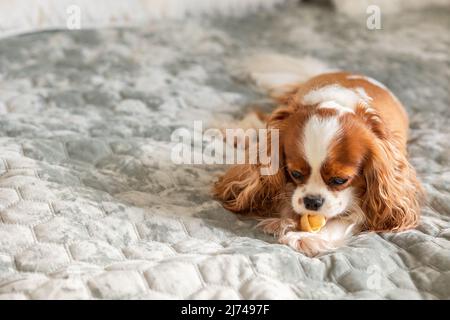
[(93, 207)]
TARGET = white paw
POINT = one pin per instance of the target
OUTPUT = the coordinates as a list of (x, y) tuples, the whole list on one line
[(277, 226), (308, 243)]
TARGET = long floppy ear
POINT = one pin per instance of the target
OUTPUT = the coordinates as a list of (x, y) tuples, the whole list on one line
[(244, 189), (393, 194)]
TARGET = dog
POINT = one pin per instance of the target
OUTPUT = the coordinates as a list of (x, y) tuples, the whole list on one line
[(342, 152)]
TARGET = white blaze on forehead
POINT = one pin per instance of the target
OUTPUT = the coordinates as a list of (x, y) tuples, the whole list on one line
[(317, 137), (344, 97)]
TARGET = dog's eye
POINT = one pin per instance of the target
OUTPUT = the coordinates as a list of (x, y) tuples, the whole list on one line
[(296, 175), (338, 181)]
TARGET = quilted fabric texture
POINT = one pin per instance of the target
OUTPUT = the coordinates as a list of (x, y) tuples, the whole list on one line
[(92, 207)]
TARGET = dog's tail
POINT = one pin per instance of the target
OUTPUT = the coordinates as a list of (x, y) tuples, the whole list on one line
[(276, 73)]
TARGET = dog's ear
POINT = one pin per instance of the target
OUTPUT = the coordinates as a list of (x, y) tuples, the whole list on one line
[(278, 116), (247, 187), (393, 194)]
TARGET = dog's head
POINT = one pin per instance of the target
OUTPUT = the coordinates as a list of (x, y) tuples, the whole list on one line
[(332, 162)]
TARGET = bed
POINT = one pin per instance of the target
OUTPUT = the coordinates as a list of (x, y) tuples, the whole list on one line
[(92, 207)]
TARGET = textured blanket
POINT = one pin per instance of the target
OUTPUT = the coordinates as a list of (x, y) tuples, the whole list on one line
[(92, 207)]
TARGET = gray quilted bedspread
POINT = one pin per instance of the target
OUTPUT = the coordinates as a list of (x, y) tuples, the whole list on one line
[(92, 207)]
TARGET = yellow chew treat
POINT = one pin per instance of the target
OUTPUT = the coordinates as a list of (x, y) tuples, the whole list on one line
[(312, 222)]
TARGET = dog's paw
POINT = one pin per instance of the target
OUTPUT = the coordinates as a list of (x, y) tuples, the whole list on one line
[(277, 226), (308, 243)]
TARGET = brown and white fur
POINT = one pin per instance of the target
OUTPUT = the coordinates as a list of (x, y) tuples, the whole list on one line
[(343, 154)]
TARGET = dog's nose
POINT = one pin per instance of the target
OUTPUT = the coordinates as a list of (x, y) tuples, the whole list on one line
[(313, 202)]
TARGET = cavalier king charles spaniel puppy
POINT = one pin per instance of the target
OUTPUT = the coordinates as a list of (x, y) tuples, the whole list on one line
[(342, 154)]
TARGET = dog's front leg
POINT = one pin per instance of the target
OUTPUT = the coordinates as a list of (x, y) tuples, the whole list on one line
[(333, 235)]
